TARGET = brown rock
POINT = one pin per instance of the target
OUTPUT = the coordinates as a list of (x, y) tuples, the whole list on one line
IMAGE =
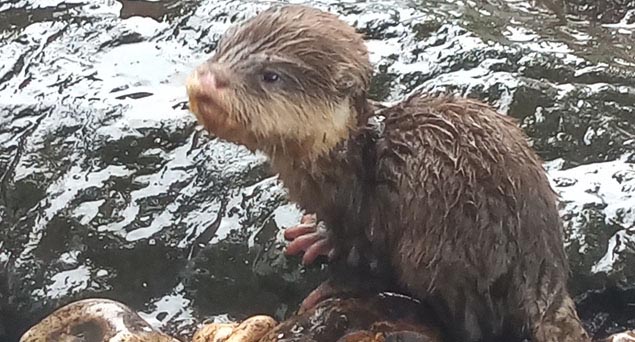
[(94, 320)]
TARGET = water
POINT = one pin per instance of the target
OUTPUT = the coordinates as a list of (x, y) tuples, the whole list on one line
[(108, 188)]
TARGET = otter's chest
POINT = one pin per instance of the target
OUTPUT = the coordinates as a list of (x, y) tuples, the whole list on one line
[(335, 187), (337, 197)]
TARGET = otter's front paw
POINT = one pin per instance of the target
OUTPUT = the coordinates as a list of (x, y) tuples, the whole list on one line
[(310, 237)]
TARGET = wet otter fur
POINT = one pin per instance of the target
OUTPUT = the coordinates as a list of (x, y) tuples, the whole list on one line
[(445, 194)]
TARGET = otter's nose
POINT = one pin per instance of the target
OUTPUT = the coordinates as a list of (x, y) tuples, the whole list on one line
[(214, 77)]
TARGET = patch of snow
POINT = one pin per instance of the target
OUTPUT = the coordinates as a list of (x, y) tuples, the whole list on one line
[(173, 307), (609, 186), (66, 283), (287, 215)]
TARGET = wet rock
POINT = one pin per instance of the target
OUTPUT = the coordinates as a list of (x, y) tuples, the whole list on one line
[(380, 318), (603, 11), (214, 332), (627, 336), (598, 209), (385, 317), (107, 187), (249, 330), (94, 320)]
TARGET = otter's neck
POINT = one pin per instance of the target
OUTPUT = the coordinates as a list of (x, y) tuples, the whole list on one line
[(334, 146), (331, 181)]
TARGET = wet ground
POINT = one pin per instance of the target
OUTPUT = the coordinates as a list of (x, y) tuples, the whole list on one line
[(108, 188)]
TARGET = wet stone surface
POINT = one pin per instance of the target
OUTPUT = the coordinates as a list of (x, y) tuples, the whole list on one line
[(109, 189)]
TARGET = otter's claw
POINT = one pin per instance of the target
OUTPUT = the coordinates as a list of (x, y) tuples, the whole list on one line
[(309, 237)]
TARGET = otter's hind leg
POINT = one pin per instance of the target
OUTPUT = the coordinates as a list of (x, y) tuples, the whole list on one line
[(559, 323)]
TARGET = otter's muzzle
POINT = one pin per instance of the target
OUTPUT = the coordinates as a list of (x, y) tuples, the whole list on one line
[(209, 78)]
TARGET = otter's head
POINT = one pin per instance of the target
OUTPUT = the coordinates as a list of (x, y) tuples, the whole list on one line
[(285, 81)]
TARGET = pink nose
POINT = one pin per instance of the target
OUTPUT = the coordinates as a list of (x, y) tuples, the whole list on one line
[(213, 77)]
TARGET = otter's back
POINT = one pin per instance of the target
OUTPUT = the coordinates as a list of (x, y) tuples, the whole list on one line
[(472, 219)]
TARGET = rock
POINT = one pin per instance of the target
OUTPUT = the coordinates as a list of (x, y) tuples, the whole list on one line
[(627, 336), (379, 318), (96, 320), (249, 330), (384, 317), (214, 332)]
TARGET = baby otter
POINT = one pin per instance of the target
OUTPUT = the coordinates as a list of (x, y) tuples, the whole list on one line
[(445, 191)]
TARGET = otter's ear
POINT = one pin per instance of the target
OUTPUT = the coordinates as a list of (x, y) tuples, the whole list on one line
[(348, 82)]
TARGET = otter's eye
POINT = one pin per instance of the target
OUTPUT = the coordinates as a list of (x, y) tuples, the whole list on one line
[(270, 77)]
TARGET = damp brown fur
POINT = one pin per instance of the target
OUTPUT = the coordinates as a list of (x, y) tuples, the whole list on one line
[(448, 195)]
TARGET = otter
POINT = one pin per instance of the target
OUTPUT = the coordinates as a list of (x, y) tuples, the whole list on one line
[(442, 195)]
